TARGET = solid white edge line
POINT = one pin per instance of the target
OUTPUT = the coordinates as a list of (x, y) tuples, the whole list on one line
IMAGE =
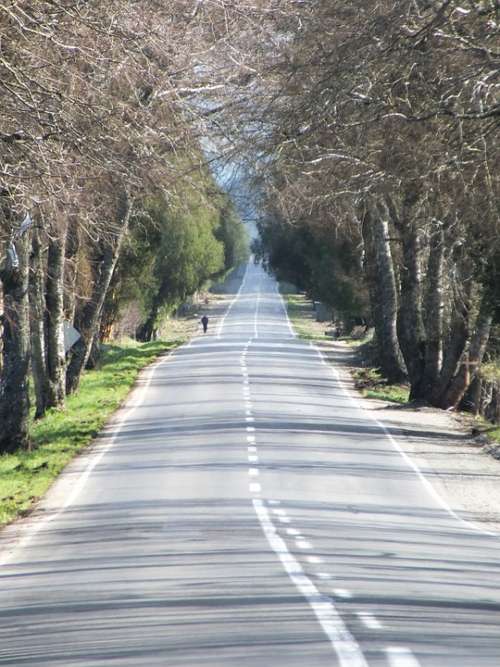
[(28, 531), (430, 489), (230, 307), (285, 310), (41, 522), (256, 316), (343, 643)]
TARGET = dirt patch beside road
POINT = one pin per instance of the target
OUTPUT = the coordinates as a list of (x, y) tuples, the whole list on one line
[(213, 303)]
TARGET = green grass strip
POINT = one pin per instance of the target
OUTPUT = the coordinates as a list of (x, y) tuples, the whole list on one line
[(61, 435), (302, 316), (372, 385)]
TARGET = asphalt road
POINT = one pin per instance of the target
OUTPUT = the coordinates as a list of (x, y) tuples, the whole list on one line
[(244, 511)]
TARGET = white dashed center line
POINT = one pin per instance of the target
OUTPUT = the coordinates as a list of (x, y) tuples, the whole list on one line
[(293, 531), (400, 656), (342, 593), (303, 544), (345, 646), (369, 620), (314, 560)]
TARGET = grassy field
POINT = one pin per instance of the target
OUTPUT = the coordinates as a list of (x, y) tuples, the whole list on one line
[(60, 435), (367, 380)]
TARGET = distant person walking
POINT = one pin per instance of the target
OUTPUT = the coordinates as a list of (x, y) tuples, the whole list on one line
[(204, 321)]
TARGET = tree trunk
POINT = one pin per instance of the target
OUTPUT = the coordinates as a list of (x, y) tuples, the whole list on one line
[(95, 353), (14, 395), (37, 325), (70, 268), (434, 311), (88, 321), (146, 331), (456, 343), (56, 357), (411, 333), (471, 359), (379, 271)]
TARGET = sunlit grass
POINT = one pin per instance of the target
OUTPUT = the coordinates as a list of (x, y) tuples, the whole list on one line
[(495, 434), (302, 317), (372, 385), (60, 435)]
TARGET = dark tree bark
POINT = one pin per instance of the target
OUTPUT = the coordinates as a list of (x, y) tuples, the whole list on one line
[(434, 306), (379, 271), (411, 331), (147, 331), (95, 353), (14, 395), (88, 321), (70, 268), (471, 359), (456, 343), (37, 324)]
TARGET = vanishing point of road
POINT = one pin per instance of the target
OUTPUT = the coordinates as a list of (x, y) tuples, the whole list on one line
[(242, 510)]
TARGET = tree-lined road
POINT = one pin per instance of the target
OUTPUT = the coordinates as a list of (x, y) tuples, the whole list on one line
[(244, 511)]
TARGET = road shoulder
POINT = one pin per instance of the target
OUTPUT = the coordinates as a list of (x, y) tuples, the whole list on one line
[(438, 442)]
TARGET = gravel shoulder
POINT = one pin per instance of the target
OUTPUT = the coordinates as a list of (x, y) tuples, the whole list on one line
[(460, 469)]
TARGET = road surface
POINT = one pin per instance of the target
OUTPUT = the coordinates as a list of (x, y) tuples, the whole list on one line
[(243, 511)]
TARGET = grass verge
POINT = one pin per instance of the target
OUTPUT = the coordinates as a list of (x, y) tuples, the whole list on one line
[(494, 435), (372, 385), (60, 435), (301, 314)]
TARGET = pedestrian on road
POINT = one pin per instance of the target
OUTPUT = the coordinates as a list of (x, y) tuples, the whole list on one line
[(204, 321)]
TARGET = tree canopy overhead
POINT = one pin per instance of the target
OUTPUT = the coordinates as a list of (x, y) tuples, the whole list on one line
[(369, 129)]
